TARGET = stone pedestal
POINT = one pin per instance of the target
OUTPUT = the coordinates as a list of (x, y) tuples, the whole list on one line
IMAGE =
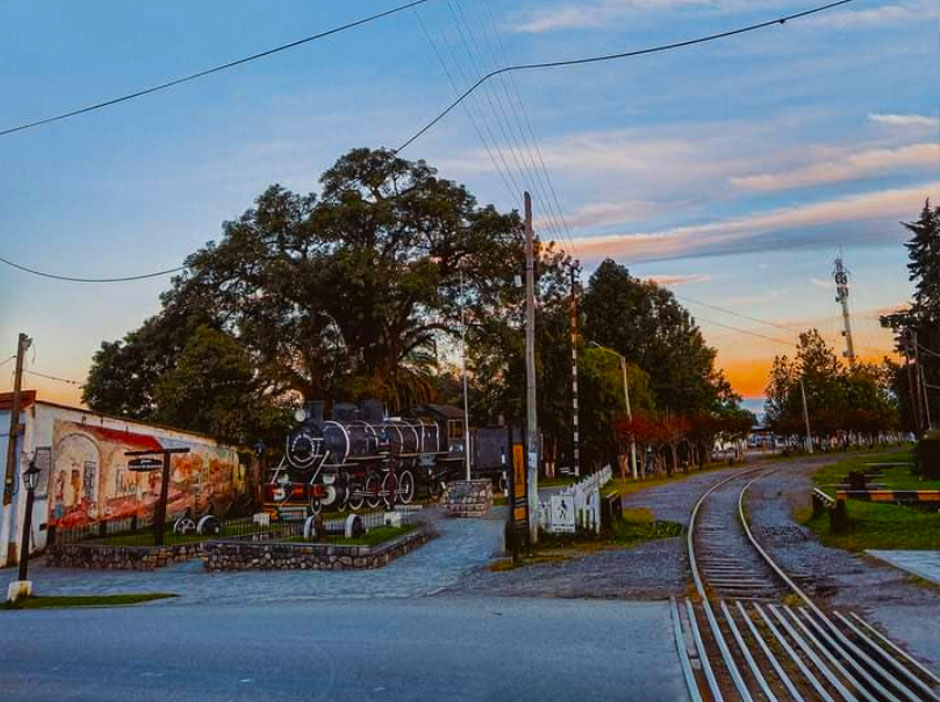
[(19, 589), (468, 498)]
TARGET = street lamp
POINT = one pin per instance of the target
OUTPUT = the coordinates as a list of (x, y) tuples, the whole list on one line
[(30, 480), (626, 399)]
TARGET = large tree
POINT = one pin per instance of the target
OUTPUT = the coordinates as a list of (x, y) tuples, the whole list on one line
[(646, 324)]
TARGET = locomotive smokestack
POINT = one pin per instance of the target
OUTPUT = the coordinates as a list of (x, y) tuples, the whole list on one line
[(315, 410)]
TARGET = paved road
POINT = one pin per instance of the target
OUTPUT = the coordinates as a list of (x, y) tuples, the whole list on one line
[(463, 545), (424, 649)]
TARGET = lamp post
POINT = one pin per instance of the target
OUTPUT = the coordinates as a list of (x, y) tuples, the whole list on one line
[(626, 399), (30, 480)]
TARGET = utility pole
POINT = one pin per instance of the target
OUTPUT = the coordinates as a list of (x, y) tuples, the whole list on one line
[(532, 425), (626, 399), (923, 407), (463, 372), (575, 438), (23, 344), (842, 297), (809, 435)]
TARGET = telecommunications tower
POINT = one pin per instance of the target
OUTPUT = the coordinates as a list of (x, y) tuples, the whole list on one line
[(842, 297)]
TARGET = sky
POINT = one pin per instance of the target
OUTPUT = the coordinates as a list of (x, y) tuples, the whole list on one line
[(731, 172)]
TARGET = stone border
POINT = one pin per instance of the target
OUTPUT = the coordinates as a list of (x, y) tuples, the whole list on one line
[(281, 555), (101, 557)]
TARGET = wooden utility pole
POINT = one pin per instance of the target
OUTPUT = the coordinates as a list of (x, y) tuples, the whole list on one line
[(532, 425), (575, 437), (22, 345), (809, 435)]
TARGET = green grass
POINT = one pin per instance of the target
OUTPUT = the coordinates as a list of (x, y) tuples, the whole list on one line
[(636, 526), (893, 477), (58, 601), (373, 537), (874, 524)]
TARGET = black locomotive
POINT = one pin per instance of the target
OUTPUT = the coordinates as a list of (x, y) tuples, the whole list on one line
[(360, 457)]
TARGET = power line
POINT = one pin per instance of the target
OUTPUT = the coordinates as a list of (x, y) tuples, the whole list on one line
[(745, 331), (736, 314), (208, 71), (7, 360), (52, 377), (71, 279), (612, 57)]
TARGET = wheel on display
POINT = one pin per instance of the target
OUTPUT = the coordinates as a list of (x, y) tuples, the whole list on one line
[(390, 486), (406, 487), (373, 490), (209, 525), (184, 525)]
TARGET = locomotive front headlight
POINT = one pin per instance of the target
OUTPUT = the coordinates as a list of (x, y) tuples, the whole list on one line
[(300, 415)]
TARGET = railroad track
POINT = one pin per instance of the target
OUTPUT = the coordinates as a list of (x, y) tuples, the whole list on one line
[(752, 634)]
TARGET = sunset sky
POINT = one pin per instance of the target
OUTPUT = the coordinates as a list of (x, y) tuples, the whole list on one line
[(731, 172)]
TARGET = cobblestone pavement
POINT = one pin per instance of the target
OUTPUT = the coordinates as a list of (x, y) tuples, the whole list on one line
[(462, 544), (909, 613), (924, 564)]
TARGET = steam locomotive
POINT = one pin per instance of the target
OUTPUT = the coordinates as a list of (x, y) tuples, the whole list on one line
[(360, 458)]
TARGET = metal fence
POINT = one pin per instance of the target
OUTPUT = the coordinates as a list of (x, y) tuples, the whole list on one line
[(134, 531)]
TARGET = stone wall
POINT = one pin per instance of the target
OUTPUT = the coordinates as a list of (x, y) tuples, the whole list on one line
[(468, 498), (242, 555), (120, 557)]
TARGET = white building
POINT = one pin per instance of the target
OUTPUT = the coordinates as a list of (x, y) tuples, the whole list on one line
[(84, 475)]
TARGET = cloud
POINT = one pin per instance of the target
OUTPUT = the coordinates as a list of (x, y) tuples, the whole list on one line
[(822, 283), (600, 213), (679, 279), (593, 15), (782, 228), (848, 166), (913, 11), (909, 121)]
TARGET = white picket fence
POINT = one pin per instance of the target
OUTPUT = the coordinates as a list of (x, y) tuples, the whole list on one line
[(576, 506)]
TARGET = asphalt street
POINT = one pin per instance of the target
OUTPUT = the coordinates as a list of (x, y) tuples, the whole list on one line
[(418, 649)]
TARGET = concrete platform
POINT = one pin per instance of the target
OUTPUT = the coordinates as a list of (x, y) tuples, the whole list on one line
[(924, 564)]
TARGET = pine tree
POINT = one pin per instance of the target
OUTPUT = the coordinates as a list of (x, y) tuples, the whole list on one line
[(924, 267)]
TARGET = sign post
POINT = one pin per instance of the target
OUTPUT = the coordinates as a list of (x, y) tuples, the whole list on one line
[(147, 462)]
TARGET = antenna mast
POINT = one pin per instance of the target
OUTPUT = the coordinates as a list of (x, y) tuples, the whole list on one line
[(842, 297)]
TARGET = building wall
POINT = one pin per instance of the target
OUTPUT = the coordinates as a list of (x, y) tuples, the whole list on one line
[(88, 479)]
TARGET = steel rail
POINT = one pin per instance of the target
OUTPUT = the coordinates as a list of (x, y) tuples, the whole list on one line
[(755, 669), (837, 652), (870, 662), (913, 679), (897, 649), (778, 669), (703, 655), (684, 662), (804, 669), (811, 654), (700, 587), (806, 599)]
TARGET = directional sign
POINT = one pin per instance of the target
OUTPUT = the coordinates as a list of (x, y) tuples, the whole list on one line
[(145, 464)]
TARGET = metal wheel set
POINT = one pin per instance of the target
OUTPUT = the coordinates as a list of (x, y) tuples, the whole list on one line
[(754, 635)]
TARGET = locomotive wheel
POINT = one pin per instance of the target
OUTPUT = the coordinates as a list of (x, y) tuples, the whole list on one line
[(315, 506), (390, 487), (373, 490), (435, 487), (406, 487), (184, 525), (355, 501)]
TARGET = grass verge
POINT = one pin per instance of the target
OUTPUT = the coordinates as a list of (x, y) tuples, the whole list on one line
[(873, 524), (59, 601)]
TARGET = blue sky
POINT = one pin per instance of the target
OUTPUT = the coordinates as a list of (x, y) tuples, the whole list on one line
[(731, 171)]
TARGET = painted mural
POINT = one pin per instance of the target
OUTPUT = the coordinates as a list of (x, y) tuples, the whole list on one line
[(91, 481)]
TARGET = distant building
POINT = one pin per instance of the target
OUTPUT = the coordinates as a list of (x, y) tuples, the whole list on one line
[(87, 480)]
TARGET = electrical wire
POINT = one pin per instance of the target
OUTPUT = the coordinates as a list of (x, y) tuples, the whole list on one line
[(736, 314), (209, 71), (7, 360), (613, 57), (52, 377), (72, 279), (745, 331)]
